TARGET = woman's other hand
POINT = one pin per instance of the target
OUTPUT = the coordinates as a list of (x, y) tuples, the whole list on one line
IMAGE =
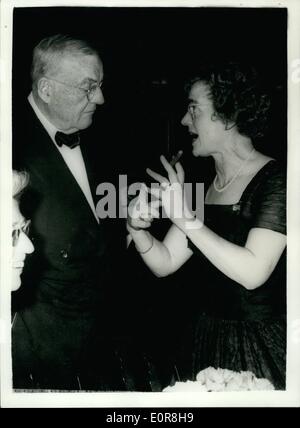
[(141, 212)]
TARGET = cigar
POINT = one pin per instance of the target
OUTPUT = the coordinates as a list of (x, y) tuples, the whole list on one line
[(176, 158)]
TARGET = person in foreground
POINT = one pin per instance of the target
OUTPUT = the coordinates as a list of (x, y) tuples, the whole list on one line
[(21, 243), (240, 243)]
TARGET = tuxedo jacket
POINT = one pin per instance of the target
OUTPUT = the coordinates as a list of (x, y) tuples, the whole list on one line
[(70, 264), (69, 306)]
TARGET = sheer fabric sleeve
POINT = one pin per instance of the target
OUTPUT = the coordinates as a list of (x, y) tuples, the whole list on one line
[(270, 202)]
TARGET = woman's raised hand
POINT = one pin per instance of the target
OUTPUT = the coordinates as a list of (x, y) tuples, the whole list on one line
[(171, 190), (174, 175)]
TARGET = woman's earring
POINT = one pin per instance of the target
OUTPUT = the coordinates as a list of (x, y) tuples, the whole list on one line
[(214, 116), (227, 127)]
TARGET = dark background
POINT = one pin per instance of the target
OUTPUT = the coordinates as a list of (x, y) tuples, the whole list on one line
[(148, 54)]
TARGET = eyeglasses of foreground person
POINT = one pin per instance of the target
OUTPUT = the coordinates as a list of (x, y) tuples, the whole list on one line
[(16, 232)]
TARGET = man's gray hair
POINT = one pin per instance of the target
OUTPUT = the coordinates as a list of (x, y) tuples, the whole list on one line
[(49, 52)]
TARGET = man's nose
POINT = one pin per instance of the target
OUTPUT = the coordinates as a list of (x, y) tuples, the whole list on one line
[(98, 97), (25, 243)]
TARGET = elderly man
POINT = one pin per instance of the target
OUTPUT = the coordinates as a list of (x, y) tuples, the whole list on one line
[(54, 336)]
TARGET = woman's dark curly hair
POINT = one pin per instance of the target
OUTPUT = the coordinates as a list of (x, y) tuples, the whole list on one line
[(237, 97)]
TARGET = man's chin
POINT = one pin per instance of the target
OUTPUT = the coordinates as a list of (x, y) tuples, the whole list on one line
[(86, 123)]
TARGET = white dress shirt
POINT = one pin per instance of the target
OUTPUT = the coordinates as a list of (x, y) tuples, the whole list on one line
[(72, 157)]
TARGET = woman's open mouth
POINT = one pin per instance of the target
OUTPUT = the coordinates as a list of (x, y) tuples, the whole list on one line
[(194, 136)]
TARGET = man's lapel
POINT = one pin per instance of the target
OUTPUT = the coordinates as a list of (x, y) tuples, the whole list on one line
[(52, 162), (90, 165)]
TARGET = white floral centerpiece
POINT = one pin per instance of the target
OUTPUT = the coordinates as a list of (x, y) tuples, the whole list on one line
[(211, 379)]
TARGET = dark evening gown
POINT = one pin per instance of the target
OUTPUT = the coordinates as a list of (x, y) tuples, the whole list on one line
[(236, 328)]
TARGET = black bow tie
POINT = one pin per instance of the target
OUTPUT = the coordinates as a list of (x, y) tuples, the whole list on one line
[(70, 140)]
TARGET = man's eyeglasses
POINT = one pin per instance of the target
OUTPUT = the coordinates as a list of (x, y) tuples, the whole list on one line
[(17, 231), (90, 92)]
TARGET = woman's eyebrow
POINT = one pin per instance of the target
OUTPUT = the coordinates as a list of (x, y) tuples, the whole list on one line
[(193, 100), (199, 104)]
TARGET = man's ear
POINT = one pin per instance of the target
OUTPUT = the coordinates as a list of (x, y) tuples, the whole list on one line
[(45, 89)]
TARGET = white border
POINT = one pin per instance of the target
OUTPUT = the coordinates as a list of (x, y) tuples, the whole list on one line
[(288, 398)]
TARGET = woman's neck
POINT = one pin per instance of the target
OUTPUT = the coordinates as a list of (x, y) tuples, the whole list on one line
[(234, 160)]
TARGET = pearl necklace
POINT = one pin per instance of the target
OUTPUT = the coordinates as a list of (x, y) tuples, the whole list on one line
[(219, 190)]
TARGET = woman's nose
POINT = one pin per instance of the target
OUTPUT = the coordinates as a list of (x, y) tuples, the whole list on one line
[(186, 120), (25, 245)]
